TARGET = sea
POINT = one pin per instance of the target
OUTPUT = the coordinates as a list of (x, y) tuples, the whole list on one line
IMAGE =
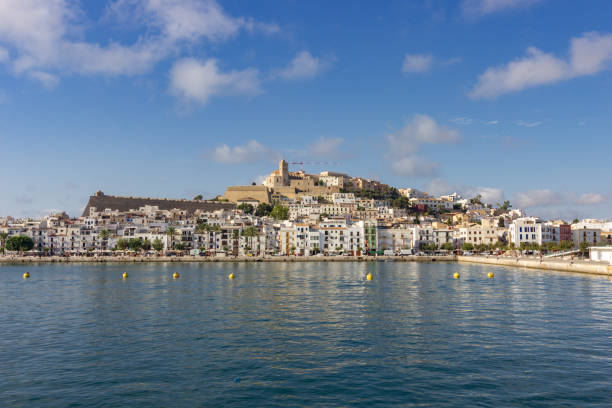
[(303, 334)]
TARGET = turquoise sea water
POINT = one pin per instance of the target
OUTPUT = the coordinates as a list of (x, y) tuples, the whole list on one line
[(303, 334)]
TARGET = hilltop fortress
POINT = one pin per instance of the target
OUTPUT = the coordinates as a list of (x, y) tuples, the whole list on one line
[(284, 184)]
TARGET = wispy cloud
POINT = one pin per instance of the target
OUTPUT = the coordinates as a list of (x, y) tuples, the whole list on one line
[(550, 198), (404, 145), (198, 81), (46, 35), (479, 8), (421, 63), (305, 66), (417, 63), (327, 148), (489, 195), (250, 152), (589, 54), (591, 198), (527, 124), (462, 120)]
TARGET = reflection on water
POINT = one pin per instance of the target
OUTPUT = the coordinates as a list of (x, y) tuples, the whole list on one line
[(303, 334)]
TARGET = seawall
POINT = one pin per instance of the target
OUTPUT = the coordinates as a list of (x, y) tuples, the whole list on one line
[(197, 259), (597, 268)]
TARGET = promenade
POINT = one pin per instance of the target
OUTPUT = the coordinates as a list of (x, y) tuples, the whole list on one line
[(566, 265), (196, 259)]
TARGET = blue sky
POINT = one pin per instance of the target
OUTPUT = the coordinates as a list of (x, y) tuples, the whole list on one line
[(171, 98)]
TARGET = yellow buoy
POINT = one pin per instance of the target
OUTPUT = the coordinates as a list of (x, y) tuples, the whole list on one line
[(456, 275), (231, 275), (175, 275), (490, 275), (125, 275), (26, 275), (369, 276)]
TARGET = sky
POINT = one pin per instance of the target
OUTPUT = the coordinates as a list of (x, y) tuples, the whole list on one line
[(510, 99)]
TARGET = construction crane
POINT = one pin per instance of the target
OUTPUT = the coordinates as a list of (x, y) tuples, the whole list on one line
[(302, 163)]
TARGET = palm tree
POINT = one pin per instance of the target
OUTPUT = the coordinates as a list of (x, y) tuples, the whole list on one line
[(3, 237), (171, 232), (104, 235), (250, 232)]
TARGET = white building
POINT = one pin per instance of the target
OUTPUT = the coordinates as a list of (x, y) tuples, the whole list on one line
[(527, 230), (343, 198), (585, 233)]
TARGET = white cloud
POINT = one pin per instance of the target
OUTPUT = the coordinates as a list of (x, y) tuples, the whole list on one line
[(421, 130), (490, 195), (462, 120), (528, 124), (493, 122), (550, 198), (591, 198), (186, 20), (192, 80), (404, 144), (417, 63), (478, 8), (589, 54), (326, 147), (538, 198), (46, 35), (304, 66), (47, 80), (250, 152), (415, 166), (4, 55)]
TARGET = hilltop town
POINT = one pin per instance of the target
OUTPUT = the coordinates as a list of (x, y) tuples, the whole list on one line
[(295, 213)]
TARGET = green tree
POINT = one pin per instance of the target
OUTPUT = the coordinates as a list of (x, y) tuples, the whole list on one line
[(135, 244), (104, 235), (401, 202), (280, 212), (263, 210), (501, 223), (158, 245), (250, 233), (505, 206), (122, 244), (246, 208), (19, 243), (576, 221), (584, 248), (146, 244), (480, 247), (171, 232), (477, 200), (565, 245), (467, 246), (200, 228), (429, 247), (3, 238), (447, 246), (179, 246), (199, 197)]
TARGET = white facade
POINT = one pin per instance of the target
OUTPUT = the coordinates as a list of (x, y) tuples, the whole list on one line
[(591, 236), (525, 230), (343, 198)]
